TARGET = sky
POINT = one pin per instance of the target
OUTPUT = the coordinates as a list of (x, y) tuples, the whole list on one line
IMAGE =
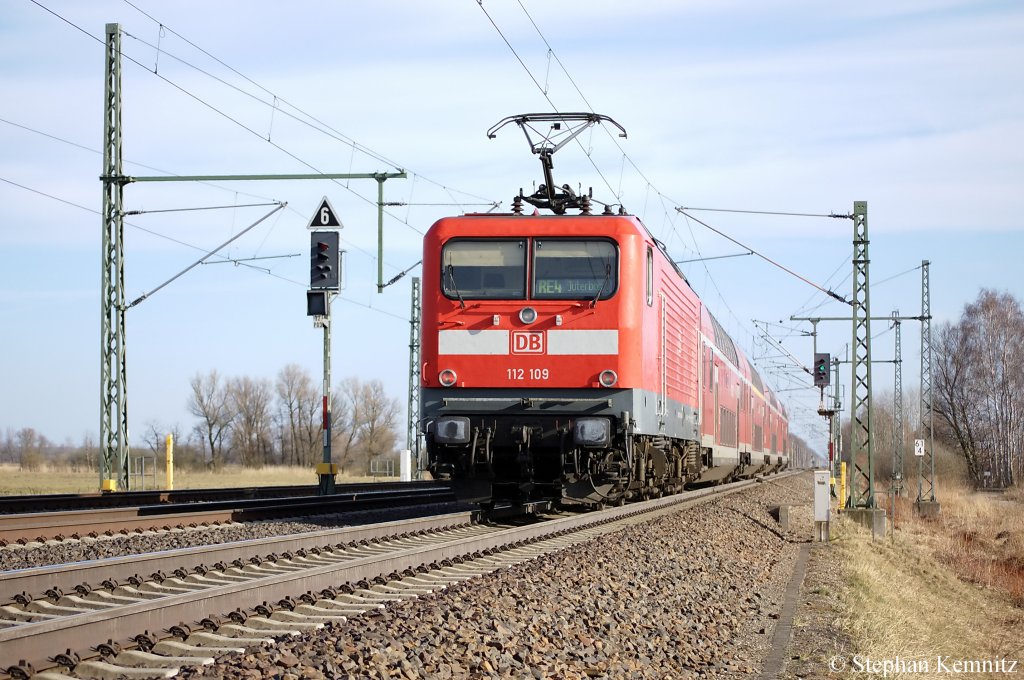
[(915, 106)]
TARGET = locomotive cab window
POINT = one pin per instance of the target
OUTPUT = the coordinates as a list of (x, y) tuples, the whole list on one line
[(484, 269), (574, 269)]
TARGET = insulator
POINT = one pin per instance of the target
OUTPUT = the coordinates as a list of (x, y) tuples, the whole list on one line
[(585, 208)]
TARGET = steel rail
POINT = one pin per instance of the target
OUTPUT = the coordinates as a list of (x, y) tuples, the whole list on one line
[(33, 642), (66, 577), (45, 526), (51, 502)]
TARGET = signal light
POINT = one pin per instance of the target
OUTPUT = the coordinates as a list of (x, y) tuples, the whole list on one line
[(822, 376), (317, 303), (325, 260)]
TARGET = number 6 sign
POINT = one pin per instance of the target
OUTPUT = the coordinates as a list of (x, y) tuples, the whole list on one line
[(324, 216)]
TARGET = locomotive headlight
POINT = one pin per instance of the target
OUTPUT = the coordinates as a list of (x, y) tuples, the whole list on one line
[(592, 432), (447, 377), (608, 378), (452, 430), (527, 315)]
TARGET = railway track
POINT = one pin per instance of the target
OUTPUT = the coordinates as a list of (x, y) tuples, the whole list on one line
[(40, 527), (111, 620), (96, 500)]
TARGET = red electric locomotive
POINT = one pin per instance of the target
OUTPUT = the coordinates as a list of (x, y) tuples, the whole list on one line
[(565, 357)]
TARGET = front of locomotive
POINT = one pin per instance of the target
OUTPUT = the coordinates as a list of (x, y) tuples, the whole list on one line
[(528, 352)]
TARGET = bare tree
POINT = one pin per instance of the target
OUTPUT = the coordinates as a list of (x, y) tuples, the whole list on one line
[(210, 402), (345, 422), (29, 446), (251, 428), (299, 406), (86, 456), (155, 437), (979, 370), (380, 418), (7, 447), (364, 425)]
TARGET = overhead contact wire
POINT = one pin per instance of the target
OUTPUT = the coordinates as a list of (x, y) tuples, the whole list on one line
[(767, 259)]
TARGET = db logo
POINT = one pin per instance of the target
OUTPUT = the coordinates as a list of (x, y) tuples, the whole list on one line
[(528, 342)]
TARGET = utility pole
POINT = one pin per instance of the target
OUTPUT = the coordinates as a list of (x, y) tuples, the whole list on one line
[(415, 327), (327, 469), (113, 372), (897, 412), (325, 278), (835, 427), (926, 503), (113, 338), (862, 453), (862, 483)]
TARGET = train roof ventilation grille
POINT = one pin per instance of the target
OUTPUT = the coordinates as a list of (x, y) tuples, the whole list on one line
[(755, 378), (724, 342)]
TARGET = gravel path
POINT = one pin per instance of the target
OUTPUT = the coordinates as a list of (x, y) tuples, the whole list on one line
[(694, 594), (79, 550)]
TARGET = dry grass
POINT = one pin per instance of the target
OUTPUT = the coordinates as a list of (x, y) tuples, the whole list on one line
[(980, 536), (948, 587), (56, 479)]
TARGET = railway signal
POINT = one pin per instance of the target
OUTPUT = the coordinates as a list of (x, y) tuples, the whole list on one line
[(822, 377), (318, 303), (324, 260)]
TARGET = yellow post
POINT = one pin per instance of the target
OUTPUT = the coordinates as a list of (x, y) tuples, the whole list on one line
[(842, 485), (170, 462)]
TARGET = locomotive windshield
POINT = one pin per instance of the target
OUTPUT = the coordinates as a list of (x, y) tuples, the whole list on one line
[(485, 269), (574, 270), (562, 269)]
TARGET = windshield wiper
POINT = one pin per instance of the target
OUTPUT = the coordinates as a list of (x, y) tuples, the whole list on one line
[(451, 275), (607, 277)]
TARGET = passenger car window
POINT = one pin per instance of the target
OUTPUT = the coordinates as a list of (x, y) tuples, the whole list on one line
[(574, 269), (484, 269)]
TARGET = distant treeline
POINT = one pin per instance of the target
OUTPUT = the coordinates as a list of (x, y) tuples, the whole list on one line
[(251, 422)]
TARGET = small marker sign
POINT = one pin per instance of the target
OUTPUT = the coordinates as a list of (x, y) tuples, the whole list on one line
[(919, 447), (324, 216)]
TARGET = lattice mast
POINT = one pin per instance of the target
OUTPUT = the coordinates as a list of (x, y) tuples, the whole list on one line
[(897, 411), (113, 372), (926, 463), (415, 321), (863, 483)]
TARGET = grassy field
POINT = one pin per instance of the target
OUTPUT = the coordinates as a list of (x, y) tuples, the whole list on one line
[(949, 588), (51, 480)]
